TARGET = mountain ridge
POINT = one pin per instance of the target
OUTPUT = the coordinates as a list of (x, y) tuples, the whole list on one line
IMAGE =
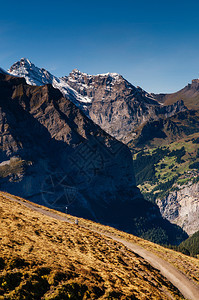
[(189, 94), (108, 99)]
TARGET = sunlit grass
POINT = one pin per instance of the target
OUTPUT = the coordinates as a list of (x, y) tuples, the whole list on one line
[(53, 257)]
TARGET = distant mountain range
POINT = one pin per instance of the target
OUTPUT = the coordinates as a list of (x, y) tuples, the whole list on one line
[(109, 100)]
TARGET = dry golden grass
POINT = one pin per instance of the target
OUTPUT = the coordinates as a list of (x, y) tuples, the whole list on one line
[(186, 264), (44, 258)]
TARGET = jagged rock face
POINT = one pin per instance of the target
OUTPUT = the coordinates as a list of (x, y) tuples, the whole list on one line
[(40, 126), (32, 74), (109, 100), (182, 207), (116, 105)]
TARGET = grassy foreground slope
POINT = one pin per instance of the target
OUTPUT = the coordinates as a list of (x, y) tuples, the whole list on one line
[(185, 264), (44, 258)]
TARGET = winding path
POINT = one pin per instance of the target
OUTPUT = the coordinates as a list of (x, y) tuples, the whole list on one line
[(188, 289)]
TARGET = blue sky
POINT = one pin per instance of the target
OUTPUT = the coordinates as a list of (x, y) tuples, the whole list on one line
[(153, 44)]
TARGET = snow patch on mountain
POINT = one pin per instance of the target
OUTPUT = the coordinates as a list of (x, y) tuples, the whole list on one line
[(78, 76), (66, 90), (39, 76), (32, 74), (85, 90)]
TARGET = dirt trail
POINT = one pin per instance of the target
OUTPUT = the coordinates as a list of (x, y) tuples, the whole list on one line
[(188, 289)]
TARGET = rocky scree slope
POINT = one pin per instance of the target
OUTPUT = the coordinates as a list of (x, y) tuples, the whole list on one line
[(54, 155)]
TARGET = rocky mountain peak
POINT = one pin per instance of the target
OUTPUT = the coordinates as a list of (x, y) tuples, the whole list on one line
[(25, 61), (77, 72), (195, 81), (194, 85), (32, 74), (79, 76), (22, 63), (76, 75), (112, 76), (108, 99)]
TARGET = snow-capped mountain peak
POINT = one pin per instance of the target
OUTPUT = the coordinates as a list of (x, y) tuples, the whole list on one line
[(26, 61), (76, 74), (108, 99), (33, 75), (81, 88), (40, 76), (112, 75), (24, 64)]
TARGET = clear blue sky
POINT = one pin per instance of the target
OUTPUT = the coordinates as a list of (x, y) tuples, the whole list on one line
[(153, 44)]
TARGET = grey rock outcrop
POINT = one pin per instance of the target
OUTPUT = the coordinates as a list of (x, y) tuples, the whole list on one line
[(181, 207)]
